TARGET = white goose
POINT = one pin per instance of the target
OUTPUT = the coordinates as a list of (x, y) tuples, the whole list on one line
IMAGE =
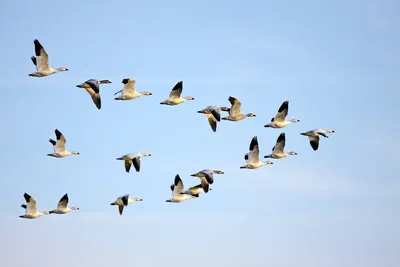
[(133, 158), (177, 188), (59, 146), (123, 201), (41, 61), (279, 120), (213, 115), (195, 190), (175, 96), (206, 177), (92, 86), (235, 114), (278, 149), (30, 209), (252, 157), (313, 136), (129, 92), (62, 206)]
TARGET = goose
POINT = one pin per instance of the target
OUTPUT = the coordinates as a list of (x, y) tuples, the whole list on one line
[(252, 157), (133, 158), (313, 136), (59, 146), (175, 96), (195, 190), (213, 115), (92, 86), (62, 206), (124, 201), (279, 120), (30, 209), (234, 111), (177, 188), (277, 150), (206, 178), (129, 92), (41, 61)]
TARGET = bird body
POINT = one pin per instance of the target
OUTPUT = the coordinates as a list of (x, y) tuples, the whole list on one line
[(62, 206), (313, 136), (30, 208), (278, 149), (59, 146), (129, 92), (177, 189), (213, 116), (175, 96), (234, 111), (206, 177), (123, 201), (92, 86), (133, 159), (279, 121), (252, 157)]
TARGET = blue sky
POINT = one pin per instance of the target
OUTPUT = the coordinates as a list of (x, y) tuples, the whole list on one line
[(337, 62)]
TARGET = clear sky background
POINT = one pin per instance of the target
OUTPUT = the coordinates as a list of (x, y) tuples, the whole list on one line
[(337, 62)]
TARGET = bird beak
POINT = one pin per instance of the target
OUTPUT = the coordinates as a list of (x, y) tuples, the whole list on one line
[(194, 175), (80, 85), (303, 133)]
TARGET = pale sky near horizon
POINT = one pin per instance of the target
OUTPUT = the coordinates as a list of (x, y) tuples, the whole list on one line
[(337, 62)]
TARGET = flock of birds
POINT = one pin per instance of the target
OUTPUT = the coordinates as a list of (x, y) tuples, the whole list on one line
[(213, 113)]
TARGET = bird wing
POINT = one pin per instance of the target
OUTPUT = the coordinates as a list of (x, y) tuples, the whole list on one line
[(282, 112), (129, 86), (120, 209), (215, 111), (213, 122), (204, 184), (63, 202), (253, 154), (42, 58), (96, 100), (177, 90), (61, 141), (236, 106), (128, 164), (178, 186), (314, 142), (136, 163), (280, 144), (31, 204)]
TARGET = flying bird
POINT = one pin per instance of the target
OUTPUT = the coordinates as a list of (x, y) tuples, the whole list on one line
[(132, 158), (206, 177), (234, 111), (177, 188), (213, 115), (252, 157), (62, 206), (41, 61), (92, 86), (278, 149), (313, 136), (175, 96), (129, 92), (59, 146), (30, 209), (123, 201), (279, 120), (195, 190)]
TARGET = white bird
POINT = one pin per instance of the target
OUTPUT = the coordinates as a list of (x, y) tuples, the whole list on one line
[(30, 209), (123, 201), (177, 188), (92, 86), (213, 115), (195, 190), (59, 146), (133, 158), (252, 157), (129, 92), (41, 61), (206, 177), (278, 149), (62, 206), (313, 136), (279, 120), (234, 111), (175, 96)]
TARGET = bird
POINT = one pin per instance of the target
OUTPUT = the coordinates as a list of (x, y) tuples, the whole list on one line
[(279, 120), (62, 206), (92, 86), (41, 61), (132, 158), (129, 92), (213, 115), (177, 188), (313, 136), (123, 201), (252, 157), (206, 177), (234, 111), (59, 146), (278, 149), (175, 96), (30, 209), (195, 190)]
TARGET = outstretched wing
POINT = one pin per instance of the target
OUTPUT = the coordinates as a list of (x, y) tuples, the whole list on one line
[(63, 202), (282, 112), (177, 90), (61, 141), (236, 105), (42, 58)]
